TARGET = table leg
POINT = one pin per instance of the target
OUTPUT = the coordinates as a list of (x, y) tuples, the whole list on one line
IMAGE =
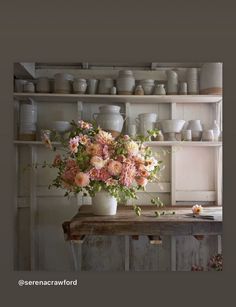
[(76, 254), (127, 253)]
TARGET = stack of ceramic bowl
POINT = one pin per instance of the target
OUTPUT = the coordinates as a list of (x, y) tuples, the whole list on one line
[(192, 81), (43, 85), (63, 83), (172, 82), (28, 119), (148, 86), (125, 82), (105, 86)]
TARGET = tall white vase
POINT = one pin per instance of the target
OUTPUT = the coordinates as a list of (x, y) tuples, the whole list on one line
[(104, 204), (211, 79)]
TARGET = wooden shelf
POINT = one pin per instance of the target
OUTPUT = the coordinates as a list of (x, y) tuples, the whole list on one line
[(119, 98), (184, 143), (153, 143)]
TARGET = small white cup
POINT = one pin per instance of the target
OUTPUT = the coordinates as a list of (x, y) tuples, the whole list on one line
[(187, 135)]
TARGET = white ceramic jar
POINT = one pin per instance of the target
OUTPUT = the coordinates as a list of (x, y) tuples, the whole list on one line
[(110, 119), (192, 80), (79, 86), (172, 82), (208, 135), (105, 86), (63, 83), (43, 85), (159, 89), (196, 127), (125, 82), (29, 87), (211, 79), (103, 203), (148, 86)]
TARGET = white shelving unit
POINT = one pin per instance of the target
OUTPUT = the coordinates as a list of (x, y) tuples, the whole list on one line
[(127, 102)]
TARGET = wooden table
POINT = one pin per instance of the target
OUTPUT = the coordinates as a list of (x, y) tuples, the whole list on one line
[(127, 223)]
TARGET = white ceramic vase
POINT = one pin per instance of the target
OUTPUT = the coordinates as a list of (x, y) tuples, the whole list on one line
[(148, 86), (146, 121), (103, 203), (159, 89), (211, 79), (125, 82), (110, 119), (172, 82), (196, 127), (192, 80)]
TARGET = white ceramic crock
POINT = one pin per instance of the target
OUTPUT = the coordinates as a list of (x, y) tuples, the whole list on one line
[(43, 85), (148, 86), (211, 79), (145, 122), (104, 204), (79, 86), (125, 82), (110, 119), (192, 80), (105, 86), (63, 83)]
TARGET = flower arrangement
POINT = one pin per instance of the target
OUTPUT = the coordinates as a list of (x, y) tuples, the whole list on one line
[(93, 161)]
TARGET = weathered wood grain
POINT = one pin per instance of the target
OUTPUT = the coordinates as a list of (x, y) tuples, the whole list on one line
[(125, 222)]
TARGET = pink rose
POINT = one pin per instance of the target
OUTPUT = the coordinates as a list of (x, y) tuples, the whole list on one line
[(82, 179), (141, 181), (114, 167)]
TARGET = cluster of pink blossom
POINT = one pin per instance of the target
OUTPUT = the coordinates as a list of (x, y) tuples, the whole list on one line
[(103, 162)]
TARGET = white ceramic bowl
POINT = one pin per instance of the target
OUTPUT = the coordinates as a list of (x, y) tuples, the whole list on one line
[(172, 125), (61, 126)]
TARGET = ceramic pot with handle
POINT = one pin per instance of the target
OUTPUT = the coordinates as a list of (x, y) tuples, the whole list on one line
[(110, 119)]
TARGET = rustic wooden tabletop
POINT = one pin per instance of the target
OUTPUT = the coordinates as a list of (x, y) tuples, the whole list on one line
[(126, 222)]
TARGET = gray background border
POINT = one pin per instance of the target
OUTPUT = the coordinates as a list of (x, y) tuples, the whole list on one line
[(121, 31)]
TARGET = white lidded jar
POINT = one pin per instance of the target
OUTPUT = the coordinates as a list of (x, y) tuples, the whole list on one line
[(211, 79), (110, 119), (125, 82)]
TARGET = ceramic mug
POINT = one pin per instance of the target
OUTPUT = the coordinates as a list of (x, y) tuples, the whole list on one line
[(208, 135)]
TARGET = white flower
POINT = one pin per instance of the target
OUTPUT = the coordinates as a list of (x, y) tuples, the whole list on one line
[(150, 164), (132, 148), (97, 162)]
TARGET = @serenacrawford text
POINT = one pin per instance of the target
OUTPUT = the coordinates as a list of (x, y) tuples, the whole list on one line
[(64, 282)]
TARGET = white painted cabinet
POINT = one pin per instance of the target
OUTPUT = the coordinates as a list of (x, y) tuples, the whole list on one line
[(193, 173)]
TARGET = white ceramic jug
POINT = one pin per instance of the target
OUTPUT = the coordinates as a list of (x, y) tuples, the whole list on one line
[(110, 119), (146, 121)]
